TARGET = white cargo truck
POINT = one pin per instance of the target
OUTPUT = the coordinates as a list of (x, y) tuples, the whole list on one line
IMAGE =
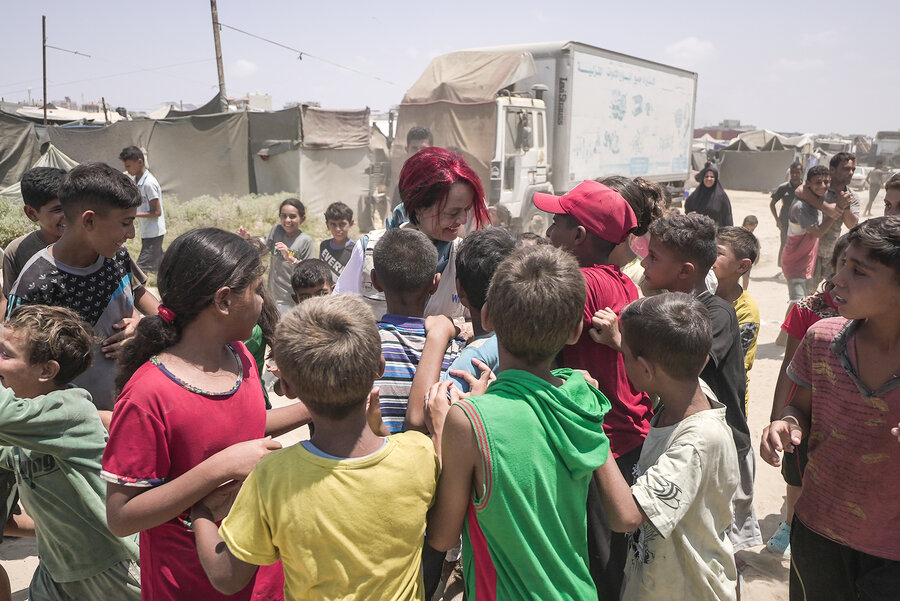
[(544, 117)]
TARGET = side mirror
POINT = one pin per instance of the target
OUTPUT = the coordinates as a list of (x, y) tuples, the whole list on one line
[(525, 133)]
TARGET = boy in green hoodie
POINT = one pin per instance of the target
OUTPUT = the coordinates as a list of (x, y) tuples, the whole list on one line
[(517, 460)]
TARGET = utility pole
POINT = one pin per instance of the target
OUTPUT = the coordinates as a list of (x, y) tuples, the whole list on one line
[(44, 32), (223, 103)]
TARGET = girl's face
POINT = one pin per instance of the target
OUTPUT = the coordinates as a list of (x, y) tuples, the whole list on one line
[(290, 219), (709, 180), (246, 307), (443, 222)]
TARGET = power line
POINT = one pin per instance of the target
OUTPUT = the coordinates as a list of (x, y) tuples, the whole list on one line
[(301, 54)]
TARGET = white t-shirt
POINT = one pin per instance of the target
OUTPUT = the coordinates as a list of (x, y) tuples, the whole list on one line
[(687, 475), (150, 227)]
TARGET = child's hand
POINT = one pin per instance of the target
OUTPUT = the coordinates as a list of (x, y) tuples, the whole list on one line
[(273, 369), (605, 329), (216, 505), (373, 414), (896, 432), (284, 250), (589, 378), (243, 233), (437, 403), (440, 326), (780, 435), (239, 459), (477, 386), (113, 344)]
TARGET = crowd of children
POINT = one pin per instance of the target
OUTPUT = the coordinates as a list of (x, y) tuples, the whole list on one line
[(552, 418)]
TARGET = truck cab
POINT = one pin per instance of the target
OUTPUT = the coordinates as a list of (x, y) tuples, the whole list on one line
[(521, 162)]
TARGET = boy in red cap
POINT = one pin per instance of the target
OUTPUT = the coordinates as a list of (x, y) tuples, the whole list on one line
[(589, 222)]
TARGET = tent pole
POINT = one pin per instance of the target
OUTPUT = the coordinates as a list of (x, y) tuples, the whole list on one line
[(223, 102), (44, 34)]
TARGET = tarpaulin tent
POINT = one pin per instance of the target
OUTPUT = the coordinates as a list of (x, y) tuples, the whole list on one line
[(455, 98), (52, 157), (18, 148)]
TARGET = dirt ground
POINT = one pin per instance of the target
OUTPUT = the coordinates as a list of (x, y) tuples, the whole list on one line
[(765, 575)]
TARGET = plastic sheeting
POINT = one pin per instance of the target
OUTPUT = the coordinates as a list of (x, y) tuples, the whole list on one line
[(102, 144), (470, 76), (51, 158), (754, 171), (18, 148)]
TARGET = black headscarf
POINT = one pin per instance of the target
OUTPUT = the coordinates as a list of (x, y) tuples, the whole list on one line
[(713, 202)]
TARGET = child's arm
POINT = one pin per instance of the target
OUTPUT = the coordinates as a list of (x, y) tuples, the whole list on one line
[(460, 461), (226, 573), (145, 301), (439, 331), (284, 419), (784, 384), (804, 194), (622, 511), (256, 242), (20, 525), (373, 415), (820, 230), (131, 509)]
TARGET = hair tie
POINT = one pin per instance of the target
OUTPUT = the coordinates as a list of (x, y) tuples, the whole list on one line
[(166, 314)]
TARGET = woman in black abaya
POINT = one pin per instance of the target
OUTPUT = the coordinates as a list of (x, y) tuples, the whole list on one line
[(710, 199)]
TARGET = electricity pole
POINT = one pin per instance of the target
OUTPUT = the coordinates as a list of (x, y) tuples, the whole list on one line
[(44, 32), (223, 103)]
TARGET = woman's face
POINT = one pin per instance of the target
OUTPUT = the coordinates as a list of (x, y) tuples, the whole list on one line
[(709, 180), (443, 222)]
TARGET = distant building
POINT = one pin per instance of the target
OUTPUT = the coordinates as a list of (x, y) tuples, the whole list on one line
[(728, 129)]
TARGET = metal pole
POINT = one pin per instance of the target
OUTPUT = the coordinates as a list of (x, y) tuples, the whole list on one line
[(44, 33), (105, 113), (223, 103)]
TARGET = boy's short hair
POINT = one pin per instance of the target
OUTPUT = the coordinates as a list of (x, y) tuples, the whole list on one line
[(57, 334), (477, 259), (535, 301), (329, 351), (338, 211), (40, 185), (530, 238), (742, 242), (893, 183), (418, 132), (880, 236), (309, 273), (131, 153), (405, 260), (692, 237), (98, 187), (817, 170), (839, 158), (670, 330), (751, 220)]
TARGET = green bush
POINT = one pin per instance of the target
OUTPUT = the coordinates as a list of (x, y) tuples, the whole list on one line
[(13, 222), (258, 213)]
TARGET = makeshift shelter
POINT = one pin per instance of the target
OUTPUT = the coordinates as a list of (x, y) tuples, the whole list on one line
[(756, 160), (19, 148), (456, 97), (52, 157)]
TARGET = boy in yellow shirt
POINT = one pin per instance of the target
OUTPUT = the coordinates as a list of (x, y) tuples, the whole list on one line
[(319, 506)]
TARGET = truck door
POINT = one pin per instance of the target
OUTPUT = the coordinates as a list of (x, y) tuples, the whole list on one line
[(524, 156)]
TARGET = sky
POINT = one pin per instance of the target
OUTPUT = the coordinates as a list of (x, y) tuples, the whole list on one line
[(818, 67)]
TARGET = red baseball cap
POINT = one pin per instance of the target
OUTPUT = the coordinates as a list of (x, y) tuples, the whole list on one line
[(601, 210)]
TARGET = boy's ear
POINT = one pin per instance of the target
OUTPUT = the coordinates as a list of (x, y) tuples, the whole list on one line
[(581, 235), (88, 219), (294, 298), (288, 390), (486, 318), (687, 270), (382, 365), (745, 266), (648, 368), (49, 371), (375, 283), (31, 213), (434, 284), (461, 294), (576, 333)]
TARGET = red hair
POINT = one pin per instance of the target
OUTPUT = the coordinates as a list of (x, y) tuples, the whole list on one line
[(426, 178)]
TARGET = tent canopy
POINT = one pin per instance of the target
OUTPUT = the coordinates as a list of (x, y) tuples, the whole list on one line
[(470, 76), (51, 158)]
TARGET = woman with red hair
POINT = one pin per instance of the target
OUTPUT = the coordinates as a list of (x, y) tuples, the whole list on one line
[(439, 190)]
